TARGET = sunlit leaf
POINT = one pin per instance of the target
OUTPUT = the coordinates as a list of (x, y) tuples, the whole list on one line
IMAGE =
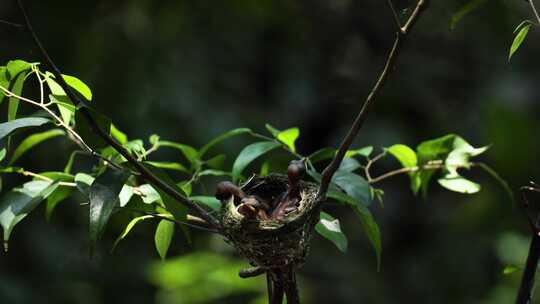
[(189, 152), (459, 184), (208, 201), (222, 137), (518, 40), (125, 195), (9, 127), (250, 153), (330, 228), (365, 152), (405, 155), (33, 140), (163, 237), (149, 194), (4, 82), (272, 130), (213, 172), (103, 196), (15, 67), (79, 86), (120, 136), (168, 166), (83, 182), (65, 107), (510, 269), (288, 137), (16, 89), (19, 202), (128, 228)]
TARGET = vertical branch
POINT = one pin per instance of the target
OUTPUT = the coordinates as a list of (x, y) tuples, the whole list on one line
[(527, 280), (401, 34), (145, 172)]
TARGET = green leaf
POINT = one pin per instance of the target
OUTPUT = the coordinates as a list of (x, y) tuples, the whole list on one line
[(222, 137), (149, 194), (9, 127), (4, 82), (288, 137), (459, 156), (510, 269), (168, 166), (216, 162), (65, 107), (103, 196), (178, 211), (322, 154), (354, 185), (83, 182), (59, 194), (19, 202), (189, 152), (128, 228), (459, 184), (330, 229), (118, 135), (14, 67), (518, 40), (405, 155), (349, 165), (33, 140), (163, 237), (85, 130), (272, 130), (213, 172), (368, 222), (365, 152), (209, 201), (16, 89), (250, 153), (2, 156), (79, 86), (435, 149), (466, 9), (125, 195)]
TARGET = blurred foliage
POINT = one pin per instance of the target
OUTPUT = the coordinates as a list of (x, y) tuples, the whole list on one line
[(189, 70)]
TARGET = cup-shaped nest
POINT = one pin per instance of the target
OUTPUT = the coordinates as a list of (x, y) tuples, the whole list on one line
[(275, 242)]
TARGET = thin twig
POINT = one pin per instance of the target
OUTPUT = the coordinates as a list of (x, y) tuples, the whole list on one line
[(144, 172), (394, 13), (11, 23), (329, 171), (534, 10)]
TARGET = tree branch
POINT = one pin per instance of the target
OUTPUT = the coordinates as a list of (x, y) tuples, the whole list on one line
[(534, 10), (329, 171), (145, 173)]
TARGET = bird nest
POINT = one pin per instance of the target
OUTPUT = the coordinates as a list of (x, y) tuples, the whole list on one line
[(275, 242)]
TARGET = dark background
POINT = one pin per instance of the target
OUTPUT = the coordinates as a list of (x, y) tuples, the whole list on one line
[(189, 70)]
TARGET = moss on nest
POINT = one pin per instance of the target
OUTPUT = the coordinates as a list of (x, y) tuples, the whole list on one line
[(273, 243)]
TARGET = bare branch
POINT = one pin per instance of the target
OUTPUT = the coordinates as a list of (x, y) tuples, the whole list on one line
[(394, 13), (329, 171), (534, 10), (145, 172)]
